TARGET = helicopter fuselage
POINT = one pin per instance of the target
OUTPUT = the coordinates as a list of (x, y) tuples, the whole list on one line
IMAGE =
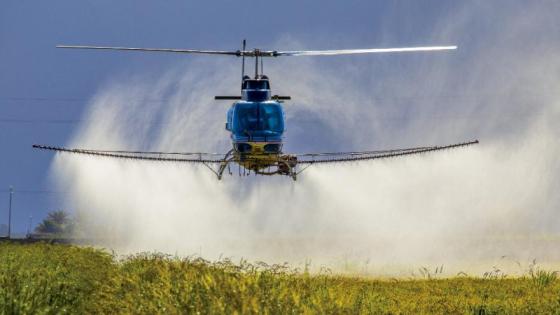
[(256, 124)]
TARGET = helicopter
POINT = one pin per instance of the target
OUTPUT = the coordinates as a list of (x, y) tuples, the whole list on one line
[(256, 122)]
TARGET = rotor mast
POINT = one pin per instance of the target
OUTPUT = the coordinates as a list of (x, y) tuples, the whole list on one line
[(243, 60), (256, 63), (254, 53)]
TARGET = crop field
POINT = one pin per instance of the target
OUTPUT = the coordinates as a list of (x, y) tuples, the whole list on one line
[(45, 278)]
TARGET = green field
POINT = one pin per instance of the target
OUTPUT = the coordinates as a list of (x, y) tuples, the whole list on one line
[(56, 279)]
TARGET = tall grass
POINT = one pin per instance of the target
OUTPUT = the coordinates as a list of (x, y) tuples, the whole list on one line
[(58, 279)]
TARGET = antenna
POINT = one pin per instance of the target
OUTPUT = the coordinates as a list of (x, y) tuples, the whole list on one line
[(243, 61)]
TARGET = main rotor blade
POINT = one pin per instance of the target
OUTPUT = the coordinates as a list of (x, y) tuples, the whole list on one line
[(187, 51), (361, 51), (269, 53)]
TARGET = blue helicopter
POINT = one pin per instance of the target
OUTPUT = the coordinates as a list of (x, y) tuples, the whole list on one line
[(256, 122)]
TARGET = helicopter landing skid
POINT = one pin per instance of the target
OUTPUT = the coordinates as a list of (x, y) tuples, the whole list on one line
[(285, 165)]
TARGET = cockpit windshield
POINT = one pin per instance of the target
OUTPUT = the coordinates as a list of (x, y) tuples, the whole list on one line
[(258, 117), (256, 85)]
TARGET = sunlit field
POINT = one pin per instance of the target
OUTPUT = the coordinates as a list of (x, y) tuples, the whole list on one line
[(54, 279)]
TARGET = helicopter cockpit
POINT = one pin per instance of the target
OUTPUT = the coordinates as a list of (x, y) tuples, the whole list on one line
[(256, 121), (258, 118)]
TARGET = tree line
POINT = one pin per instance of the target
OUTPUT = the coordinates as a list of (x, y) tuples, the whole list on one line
[(57, 223)]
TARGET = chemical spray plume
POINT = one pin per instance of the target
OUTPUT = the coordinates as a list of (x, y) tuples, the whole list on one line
[(463, 208)]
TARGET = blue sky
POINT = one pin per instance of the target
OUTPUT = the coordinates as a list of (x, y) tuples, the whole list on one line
[(44, 91)]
